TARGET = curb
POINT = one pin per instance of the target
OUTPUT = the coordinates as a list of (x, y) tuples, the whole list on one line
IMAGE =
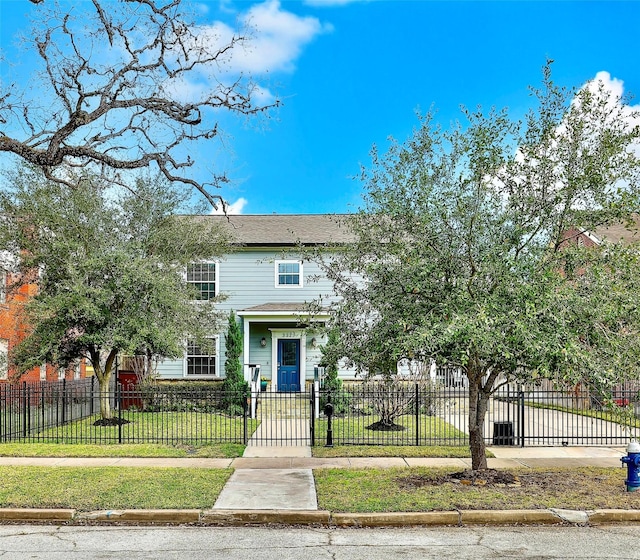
[(232, 517)]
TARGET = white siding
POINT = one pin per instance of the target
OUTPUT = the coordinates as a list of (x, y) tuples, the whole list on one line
[(171, 369)]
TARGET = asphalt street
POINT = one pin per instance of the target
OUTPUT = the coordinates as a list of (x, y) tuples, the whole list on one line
[(275, 543)]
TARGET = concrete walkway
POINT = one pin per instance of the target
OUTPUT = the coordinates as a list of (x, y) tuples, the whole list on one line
[(279, 489)]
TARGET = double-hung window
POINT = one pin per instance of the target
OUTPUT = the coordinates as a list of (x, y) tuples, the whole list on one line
[(201, 361), (203, 277), (288, 274)]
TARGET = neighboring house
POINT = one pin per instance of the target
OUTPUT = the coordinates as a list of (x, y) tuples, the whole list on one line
[(269, 286), (14, 328), (617, 233)]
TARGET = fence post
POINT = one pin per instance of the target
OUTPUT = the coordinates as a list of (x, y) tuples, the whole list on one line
[(29, 410), (119, 399), (3, 407), (64, 401), (521, 417), (312, 423), (42, 405), (24, 409), (245, 409), (417, 415), (93, 380)]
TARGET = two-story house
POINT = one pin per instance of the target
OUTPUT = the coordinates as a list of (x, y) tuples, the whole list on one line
[(268, 284)]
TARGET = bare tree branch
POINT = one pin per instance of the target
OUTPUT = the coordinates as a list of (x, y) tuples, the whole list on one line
[(118, 91)]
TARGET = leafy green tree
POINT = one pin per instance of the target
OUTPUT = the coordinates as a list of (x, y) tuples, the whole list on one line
[(234, 385), (462, 252), (110, 270)]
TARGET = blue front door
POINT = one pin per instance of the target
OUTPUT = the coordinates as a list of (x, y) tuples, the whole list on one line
[(288, 365)]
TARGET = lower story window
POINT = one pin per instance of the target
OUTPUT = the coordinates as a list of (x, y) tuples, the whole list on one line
[(200, 360)]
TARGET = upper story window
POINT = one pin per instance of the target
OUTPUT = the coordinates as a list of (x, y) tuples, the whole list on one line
[(203, 276), (289, 274)]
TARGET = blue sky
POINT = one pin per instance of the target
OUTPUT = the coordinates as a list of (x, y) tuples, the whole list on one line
[(352, 73)]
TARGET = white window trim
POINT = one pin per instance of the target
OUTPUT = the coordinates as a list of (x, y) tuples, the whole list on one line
[(216, 375), (216, 278), (291, 286)]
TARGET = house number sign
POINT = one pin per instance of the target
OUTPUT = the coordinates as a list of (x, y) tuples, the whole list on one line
[(290, 334)]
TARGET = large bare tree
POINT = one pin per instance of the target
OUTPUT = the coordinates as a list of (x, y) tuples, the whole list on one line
[(123, 85)]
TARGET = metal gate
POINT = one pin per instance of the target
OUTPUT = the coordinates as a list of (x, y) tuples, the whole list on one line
[(284, 418)]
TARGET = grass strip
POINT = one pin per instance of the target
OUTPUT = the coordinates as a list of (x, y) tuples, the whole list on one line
[(223, 451), (398, 490), (93, 488), (458, 452)]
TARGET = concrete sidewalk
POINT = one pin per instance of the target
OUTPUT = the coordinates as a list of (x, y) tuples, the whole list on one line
[(276, 457)]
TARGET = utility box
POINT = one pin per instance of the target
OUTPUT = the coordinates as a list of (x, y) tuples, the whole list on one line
[(503, 433)]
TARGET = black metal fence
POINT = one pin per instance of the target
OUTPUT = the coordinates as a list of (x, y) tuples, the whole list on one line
[(29, 408), (359, 414), (440, 416), (69, 412)]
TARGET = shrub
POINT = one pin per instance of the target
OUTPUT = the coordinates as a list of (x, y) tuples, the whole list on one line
[(235, 388)]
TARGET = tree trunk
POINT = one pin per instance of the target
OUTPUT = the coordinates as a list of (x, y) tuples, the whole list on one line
[(104, 378), (105, 404), (477, 411), (480, 389)]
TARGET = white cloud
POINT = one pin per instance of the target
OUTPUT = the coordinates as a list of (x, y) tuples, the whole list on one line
[(616, 100), (275, 41), (614, 85), (233, 208), (278, 37), (325, 3)]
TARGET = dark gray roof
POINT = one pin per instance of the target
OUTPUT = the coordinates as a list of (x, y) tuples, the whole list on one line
[(269, 230)]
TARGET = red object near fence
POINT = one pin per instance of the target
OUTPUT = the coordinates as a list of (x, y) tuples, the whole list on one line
[(131, 397)]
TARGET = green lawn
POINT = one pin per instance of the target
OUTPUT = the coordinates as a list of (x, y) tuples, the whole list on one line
[(222, 450), (190, 428), (353, 431), (91, 488), (461, 452), (422, 489)]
